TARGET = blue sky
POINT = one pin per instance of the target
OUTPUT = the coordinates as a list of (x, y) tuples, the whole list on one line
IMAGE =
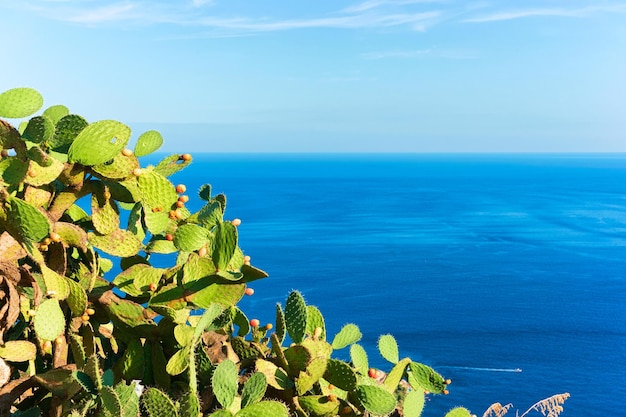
[(332, 76)]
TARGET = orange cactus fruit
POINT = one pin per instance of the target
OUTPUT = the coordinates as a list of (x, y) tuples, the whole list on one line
[(127, 152), (181, 188), (236, 222), (255, 322), (185, 157), (249, 291)]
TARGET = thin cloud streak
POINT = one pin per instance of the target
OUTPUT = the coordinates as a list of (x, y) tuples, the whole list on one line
[(421, 54), (561, 12), (373, 4)]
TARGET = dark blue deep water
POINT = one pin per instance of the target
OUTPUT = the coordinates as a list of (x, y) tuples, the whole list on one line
[(478, 264)]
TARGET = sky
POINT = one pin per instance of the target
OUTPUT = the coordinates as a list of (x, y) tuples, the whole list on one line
[(332, 76)]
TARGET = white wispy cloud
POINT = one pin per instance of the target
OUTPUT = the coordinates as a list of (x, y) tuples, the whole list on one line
[(110, 13), (373, 4), (553, 12)]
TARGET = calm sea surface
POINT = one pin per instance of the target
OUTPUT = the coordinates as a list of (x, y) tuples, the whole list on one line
[(477, 264)]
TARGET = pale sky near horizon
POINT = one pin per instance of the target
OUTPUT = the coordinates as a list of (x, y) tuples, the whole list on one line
[(332, 76)]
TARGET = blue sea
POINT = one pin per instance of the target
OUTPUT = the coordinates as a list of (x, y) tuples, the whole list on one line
[(479, 265)]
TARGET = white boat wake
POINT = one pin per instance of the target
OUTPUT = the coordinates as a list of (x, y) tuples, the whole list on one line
[(471, 368)]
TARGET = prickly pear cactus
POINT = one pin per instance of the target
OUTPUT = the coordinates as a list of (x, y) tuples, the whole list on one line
[(79, 337)]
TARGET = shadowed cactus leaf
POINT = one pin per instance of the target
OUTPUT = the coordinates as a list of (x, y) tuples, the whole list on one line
[(133, 361), (120, 243), (39, 129), (281, 325), (77, 298), (56, 112), (56, 284), (18, 351), (20, 102), (224, 382), (104, 212), (110, 401), (253, 389), (348, 335), (224, 244), (27, 222), (71, 234), (67, 129), (319, 405), (276, 377), (340, 374), (196, 268), (157, 404), (178, 362), (99, 142), (13, 170), (310, 375), (264, 409), (49, 322), (148, 142), (376, 400)]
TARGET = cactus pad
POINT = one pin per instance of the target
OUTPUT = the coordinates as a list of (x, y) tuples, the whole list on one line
[(18, 351), (253, 389), (119, 168), (190, 237), (310, 375), (19, 102), (178, 362), (376, 400), (66, 131), (393, 378), (358, 356), (27, 222), (427, 378), (388, 348), (224, 382), (156, 403), (264, 409), (315, 320), (171, 165), (56, 112), (120, 243), (340, 374), (156, 191), (413, 404), (224, 244), (49, 322), (296, 316), (39, 129), (319, 405), (148, 142), (110, 401), (348, 335), (459, 412), (99, 142)]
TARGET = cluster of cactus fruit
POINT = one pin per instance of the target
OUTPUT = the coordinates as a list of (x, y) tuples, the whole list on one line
[(74, 200)]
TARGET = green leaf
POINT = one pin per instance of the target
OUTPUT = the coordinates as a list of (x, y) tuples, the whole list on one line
[(20, 102), (99, 142), (49, 323), (224, 244), (348, 335), (148, 142), (388, 348), (224, 382)]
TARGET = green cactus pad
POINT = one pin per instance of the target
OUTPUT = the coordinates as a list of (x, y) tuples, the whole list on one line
[(128, 398), (388, 348), (206, 291), (85, 382), (459, 412), (148, 142), (319, 405), (56, 284), (264, 409), (281, 325), (296, 316), (348, 335), (276, 377), (77, 298), (71, 234), (171, 165), (359, 359), (224, 244), (67, 129), (156, 403), (340, 374), (298, 357), (413, 404), (156, 191), (13, 170), (49, 323), (99, 142), (221, 413), (56, 112), (78, 350), (104, 213), (133, 361), (41, 175), (19, 102), (210, 215), (376, 400), (39, 129), (224, 382), (120, 243), (315, 320), (393, 378), (110, 401), (121, 167), (427, 378), (253, 389), (160, 245), (205, 192), (189, 405), (27, 222), (157, 221), (178, 362), (18, 351), (309, 376), (133, 280), (190, 237)]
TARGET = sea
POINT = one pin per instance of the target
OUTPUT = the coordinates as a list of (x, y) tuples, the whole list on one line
[(504, 272)]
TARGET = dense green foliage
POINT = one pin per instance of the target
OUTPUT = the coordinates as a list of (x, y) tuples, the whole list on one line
[(74, 343)]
